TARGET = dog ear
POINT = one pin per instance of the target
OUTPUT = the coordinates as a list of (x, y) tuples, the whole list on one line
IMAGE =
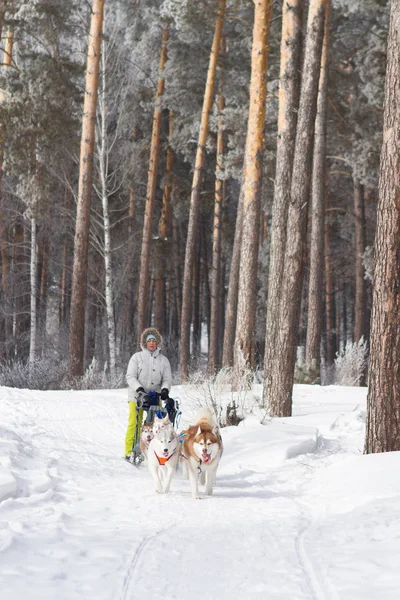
[(198, 432), (215, 430)]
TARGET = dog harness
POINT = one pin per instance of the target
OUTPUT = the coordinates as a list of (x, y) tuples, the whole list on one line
[(162, 460)]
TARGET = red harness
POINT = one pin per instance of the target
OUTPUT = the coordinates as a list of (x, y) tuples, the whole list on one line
[(161, 459)]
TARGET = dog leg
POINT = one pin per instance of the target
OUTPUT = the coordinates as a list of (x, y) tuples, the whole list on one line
[(194, 484), (156, 477), (168, 479), (209, 481)]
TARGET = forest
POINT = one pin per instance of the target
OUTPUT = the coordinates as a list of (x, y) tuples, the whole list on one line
[(212, 168)]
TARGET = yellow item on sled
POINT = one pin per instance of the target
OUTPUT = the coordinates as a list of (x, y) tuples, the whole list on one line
[(130, 432)]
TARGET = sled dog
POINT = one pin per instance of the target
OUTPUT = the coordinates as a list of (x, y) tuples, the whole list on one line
[(202, 451), (161, 423), (162, 456), (145, 437)]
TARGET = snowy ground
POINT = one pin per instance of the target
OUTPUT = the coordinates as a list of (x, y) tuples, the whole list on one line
[(298, 512)]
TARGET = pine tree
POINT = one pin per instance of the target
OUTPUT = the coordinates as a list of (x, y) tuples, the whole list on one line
[(280, 382), (318, 191), (79, 276), (143, 290), (383, 404), (195, 197), (289, 86), (252, 173)]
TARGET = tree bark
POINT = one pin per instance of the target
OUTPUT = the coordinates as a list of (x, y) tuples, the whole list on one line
[(232, 299), (164, 226), (329, 305), (43, 288), (287, 118), (247, 293), (33, 294), (360, 243), (79, 275), (129, 299), (144, 272), (195, 196), (383, 404), (315, 291), (279, 394), (216, 283)]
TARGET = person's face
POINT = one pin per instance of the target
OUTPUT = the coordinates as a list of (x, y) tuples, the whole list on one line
[(151, 345)]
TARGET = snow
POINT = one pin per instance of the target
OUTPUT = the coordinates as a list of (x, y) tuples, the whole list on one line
[(298, 512)]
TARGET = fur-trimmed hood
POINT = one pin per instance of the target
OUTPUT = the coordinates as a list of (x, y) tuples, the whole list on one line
[(153, 331)]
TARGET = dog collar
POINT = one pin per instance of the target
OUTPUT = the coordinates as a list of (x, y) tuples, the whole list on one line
[(161, 459)]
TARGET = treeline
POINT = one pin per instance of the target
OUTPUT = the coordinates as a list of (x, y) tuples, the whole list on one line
[(207, 168)]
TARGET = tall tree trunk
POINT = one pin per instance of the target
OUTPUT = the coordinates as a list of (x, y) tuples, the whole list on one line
[(329, 307), (383, 404), (280, 391), (216, 283), (164, 226), (129, 298), (253, 164), (20, 293), (289, 87), (103, 152), (196, 309), (4, 252), (79, 275), (143, 290), (360, 243), (315, 290), (65, 282), (232, 299), (184, 346), (43, 288), (33, 282)]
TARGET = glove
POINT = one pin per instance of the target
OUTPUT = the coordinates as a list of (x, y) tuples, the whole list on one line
[(140, 389), (164, 394), (170, 404), (148, 401)]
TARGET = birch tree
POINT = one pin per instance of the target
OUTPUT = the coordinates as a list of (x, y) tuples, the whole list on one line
[(383, 403), (246, 315), (79, 275), (107, 184), (195, 196), (280, 383)]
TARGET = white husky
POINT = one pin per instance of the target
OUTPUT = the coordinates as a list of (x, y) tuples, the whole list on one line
[(162, 456)]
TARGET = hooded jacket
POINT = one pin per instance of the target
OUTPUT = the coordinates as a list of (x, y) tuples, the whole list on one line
[(149, 370)]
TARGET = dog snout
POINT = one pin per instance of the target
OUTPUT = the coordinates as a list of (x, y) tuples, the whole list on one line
[(165, 449)]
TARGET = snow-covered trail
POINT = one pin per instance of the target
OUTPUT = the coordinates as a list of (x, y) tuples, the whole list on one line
[(82, 523)]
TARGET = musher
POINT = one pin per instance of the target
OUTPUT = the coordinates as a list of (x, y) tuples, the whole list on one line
[(149, 379)]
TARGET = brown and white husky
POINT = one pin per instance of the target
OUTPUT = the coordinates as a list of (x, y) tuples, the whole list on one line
[(145, 437), (202, 451)]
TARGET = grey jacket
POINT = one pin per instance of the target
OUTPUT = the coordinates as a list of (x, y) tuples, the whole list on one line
[(149, 370)]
